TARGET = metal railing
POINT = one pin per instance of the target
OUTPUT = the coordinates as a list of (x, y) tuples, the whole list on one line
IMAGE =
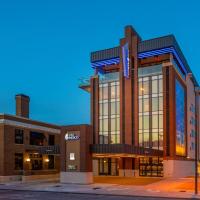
[(83, 82)]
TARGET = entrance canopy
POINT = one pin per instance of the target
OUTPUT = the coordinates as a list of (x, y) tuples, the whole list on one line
[(122, 150)]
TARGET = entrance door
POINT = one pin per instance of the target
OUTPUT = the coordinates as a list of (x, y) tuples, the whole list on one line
[(108, 167), (36, 161)]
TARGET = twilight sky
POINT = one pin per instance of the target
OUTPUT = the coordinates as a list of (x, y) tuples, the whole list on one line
[(45, 47)]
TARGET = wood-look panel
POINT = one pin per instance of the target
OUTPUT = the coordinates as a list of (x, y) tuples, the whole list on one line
[(129, 91), (95, 108)]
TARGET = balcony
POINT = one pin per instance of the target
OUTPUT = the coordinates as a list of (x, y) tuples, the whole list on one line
[(84, 83), (55, 149)]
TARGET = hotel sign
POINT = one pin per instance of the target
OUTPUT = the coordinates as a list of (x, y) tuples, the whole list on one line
[(126, 60), (71, 136)]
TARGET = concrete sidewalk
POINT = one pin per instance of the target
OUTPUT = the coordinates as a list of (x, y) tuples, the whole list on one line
[(150, 190)]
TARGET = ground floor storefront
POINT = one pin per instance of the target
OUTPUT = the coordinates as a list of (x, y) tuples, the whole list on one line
[(30, 164), (142, 166)]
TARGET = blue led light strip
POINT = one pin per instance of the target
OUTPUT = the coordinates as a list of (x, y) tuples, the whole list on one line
[(102, 63), (163, 51), (112, 61)]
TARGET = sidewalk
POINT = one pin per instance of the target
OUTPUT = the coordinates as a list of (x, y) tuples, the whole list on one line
[(156, 189)]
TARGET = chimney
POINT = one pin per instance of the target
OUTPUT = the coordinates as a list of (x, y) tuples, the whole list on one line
[(22, 105)]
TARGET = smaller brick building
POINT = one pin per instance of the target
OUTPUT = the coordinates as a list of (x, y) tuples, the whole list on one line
[(27, 147)]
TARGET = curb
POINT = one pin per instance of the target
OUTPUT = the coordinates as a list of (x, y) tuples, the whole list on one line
[(98, 194)]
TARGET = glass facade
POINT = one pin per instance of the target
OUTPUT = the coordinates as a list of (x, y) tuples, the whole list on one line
[(109, 109), (180, 120), (150, 86)]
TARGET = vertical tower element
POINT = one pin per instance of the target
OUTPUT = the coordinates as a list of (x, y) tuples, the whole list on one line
[(22, 105), (129, 89)]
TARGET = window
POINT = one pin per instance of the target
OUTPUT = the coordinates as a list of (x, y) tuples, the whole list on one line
[(151, 166), (36, 138), (154, 104), (51, 140), (180, 120), (192, 146), (109, 110), (19, 161), (150, 107), (51, 163), (19, 136)]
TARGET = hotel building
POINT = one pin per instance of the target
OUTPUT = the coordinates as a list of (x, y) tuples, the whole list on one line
[(144, 108)]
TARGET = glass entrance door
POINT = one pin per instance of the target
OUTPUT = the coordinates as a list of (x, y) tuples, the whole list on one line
[(108, 167)]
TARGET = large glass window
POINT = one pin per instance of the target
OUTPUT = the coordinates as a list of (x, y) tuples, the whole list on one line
[(180, 120), (151, 166), (150, 107), (36, 138), (109, 110)]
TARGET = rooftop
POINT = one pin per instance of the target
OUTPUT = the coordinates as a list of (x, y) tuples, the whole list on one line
[(146, 48)]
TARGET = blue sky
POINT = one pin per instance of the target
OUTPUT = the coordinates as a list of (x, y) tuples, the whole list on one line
[(45, 47)]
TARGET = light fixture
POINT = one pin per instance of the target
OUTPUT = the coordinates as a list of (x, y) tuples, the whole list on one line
[(28, 160), (142, 89), (46, 160)]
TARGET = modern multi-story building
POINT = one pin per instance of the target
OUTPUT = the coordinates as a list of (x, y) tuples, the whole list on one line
[(27, 147), (144, 108)]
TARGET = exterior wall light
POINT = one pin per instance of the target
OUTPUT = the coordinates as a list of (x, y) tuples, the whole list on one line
[(47, 160), (28, 160)]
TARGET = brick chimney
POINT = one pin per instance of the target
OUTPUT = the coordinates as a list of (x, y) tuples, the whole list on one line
[(22, 105)]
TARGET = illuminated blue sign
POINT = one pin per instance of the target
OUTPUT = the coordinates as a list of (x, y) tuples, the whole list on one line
[(125, 56)]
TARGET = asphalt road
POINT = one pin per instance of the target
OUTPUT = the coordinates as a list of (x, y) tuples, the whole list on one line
[(30, 195)]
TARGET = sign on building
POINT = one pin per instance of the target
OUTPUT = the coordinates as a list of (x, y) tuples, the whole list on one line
[(71, 136), (126, 60)]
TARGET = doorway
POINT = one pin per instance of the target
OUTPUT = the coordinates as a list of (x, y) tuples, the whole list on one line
[(108, 167)]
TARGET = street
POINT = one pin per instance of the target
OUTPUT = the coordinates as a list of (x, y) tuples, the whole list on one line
[(33, 195)]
